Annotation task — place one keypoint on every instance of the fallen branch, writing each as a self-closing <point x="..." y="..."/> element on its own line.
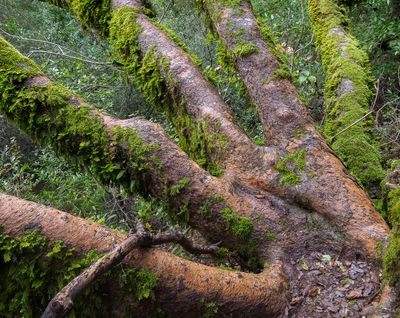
<point x="62" y="303"/>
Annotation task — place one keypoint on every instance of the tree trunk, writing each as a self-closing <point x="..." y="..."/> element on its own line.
<point x="181" y="283"/>
<point x="292" y="203"/>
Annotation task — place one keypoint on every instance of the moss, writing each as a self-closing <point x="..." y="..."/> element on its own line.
<point x="203" y="144"/>
<point x="345" y="62"/>
<point x="33" y="270"/>
<point x="47" y="114"/>
<point x="290" y="166"/>
<point x="391" y="259"/>
<point x="240" y="226"/>
<point x="153" y="78"/>
<point x="93" y="13"/>
<point x="244" y="49"/>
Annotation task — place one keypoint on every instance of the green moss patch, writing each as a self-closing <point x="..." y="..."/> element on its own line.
<point x="290" y="166"/>
<point x="240" y="226"/>
<point x="93" y="13"/>
<point x="391" y="258"/>
<point x="348" y="92"/>
<point x="244" y="48"/>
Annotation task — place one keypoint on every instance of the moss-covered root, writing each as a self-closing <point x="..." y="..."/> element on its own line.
<point x="348" y="92"/>
<point x="391" y="260"/>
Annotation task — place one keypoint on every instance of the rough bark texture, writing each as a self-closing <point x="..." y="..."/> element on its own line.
<point x="181" y="283"/>
<point x="324" y="186"/>
<point x="302" y="203"/>
<point x="166" y="171"/>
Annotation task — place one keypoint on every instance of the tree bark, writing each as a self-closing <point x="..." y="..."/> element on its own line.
<point x="181" y="283"/>
<point x="323" y="213"/>
<point x="324" y="185"/>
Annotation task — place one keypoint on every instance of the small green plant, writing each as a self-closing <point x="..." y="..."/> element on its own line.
<point x="140" y="282"/>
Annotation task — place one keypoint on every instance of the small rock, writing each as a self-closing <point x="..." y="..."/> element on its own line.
<point x="355" y="293"/>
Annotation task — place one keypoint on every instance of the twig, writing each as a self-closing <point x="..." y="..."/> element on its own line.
<point x="165" y="12"/>
<point x="363" y="117"/>
<point x="67" y="56"/>
<point x="295" y="49"/>
<point x="62" y="303"/>
<point x="60" y="47"/>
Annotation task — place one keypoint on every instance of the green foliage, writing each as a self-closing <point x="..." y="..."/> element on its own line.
<point x="139" y="282"/>
<point x="15" y="177"/>
<point x="177" y="188"/>
<point x="33" y="270"/>
<point x="290" y="166"/>
<point x="240" y="226"/>
<point x="205" y="209"/>
<point x="210" y="309"/>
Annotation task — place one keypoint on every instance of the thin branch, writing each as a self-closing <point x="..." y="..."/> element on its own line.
<point x="165" y="12"/>
<point x="362" y="118"/>
<point x="60" y="47"/>
<point x="63" y="302"/>
<point x="67" y="56"/>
